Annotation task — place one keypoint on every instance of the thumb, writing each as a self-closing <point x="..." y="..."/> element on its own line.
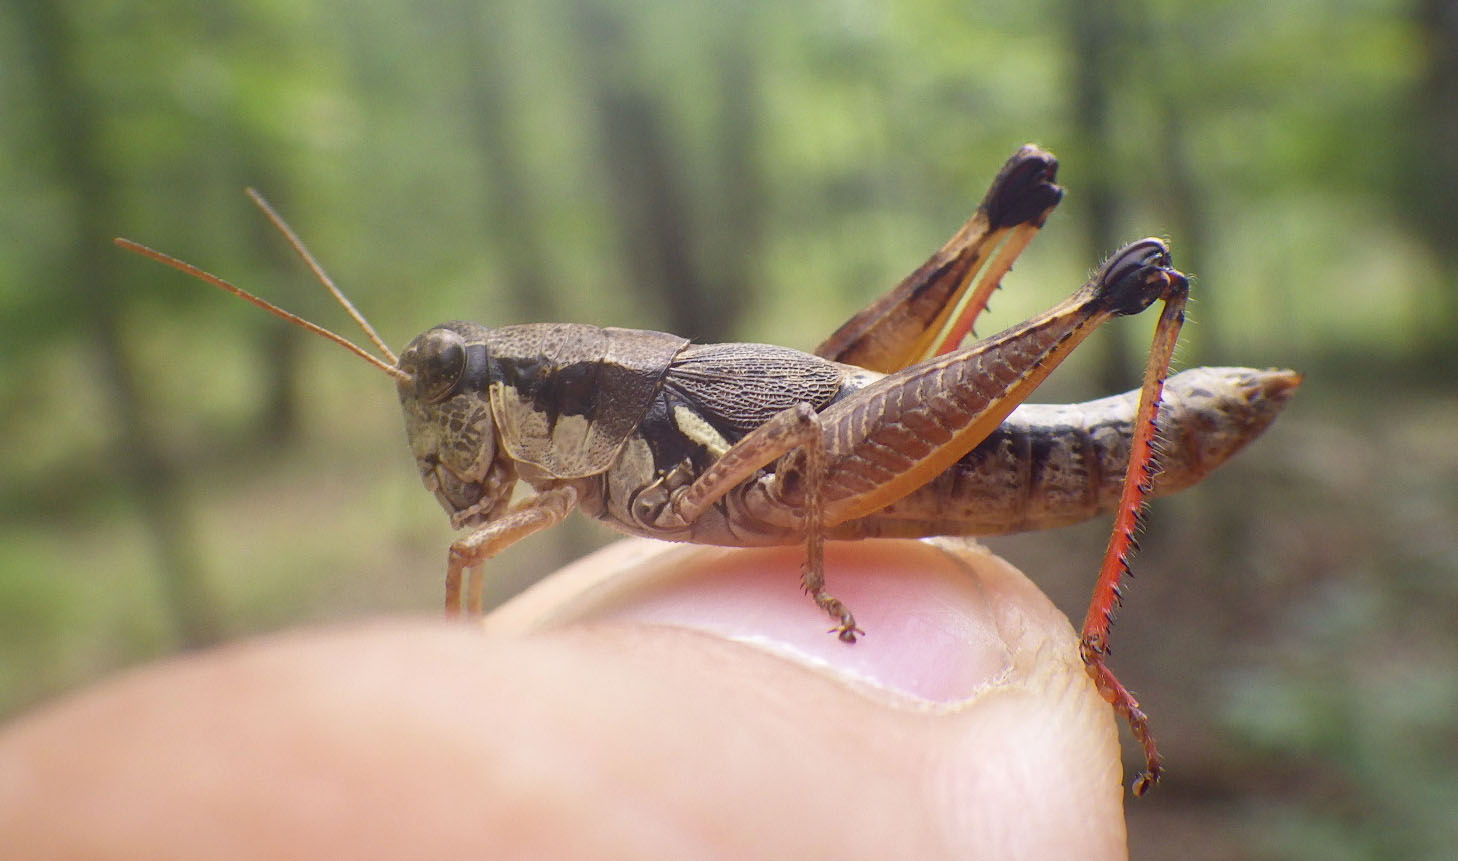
<point x="966" y="697"/>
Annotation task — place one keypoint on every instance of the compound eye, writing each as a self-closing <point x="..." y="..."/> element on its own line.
<point x="440" y="362"/>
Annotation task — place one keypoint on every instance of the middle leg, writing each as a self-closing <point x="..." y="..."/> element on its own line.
<point x="795" y="439"/>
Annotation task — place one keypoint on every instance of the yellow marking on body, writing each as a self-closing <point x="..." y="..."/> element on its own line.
<point x="693" y="426"/>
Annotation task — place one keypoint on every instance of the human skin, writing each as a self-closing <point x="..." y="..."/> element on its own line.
<point x="649" y="701"/>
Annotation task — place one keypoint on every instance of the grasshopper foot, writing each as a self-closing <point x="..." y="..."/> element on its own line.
<point x="1146" y="781"/>
<point x="845" y="629"/>
<point x="1093" y="650"/>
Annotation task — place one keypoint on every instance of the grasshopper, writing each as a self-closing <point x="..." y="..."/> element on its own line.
<point x="891" y="428"/>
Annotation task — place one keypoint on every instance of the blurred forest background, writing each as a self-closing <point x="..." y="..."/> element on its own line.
<point x="178" y="469"/>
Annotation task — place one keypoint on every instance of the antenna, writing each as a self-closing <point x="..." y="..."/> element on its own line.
<point x="188" y="268"/>
<point x="298" y="245"/>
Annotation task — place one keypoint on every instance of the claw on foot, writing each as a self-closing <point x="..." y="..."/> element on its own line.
<point x="1093" y="649"/>
<point x="1146" y="781"/>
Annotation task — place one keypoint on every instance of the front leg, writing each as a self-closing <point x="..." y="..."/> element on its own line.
<point x="547" y="508"/>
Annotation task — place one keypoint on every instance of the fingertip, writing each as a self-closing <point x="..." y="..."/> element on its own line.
<point x="937" y="621"/>
<point x="925" y="626"/>
<point x="1012" y="743"/>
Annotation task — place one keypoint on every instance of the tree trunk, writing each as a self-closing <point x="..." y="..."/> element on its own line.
<point x="70" y="114"/>
<point x="515" y="218"/>
<point x="277" y="422"/>
<point x="1190" y="231"/>
<point x="651" y="205"/>
<point x="1433" y="190"/>
<point x="736" y="233"/>
<point x="1096" y="32"/>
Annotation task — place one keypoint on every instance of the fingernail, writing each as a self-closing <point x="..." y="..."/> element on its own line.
<point x="942" y="619"/>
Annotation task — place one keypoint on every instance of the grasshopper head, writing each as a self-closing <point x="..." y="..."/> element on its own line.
<point x="441" y="378"/>
<point x="449" y="424"/>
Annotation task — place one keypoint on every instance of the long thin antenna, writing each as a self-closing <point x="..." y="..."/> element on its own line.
<point x="271" y="308"/>
<point x="298" y="245"/>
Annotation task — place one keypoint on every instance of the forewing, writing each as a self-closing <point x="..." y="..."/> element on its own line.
<point x="738" y="387"/>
